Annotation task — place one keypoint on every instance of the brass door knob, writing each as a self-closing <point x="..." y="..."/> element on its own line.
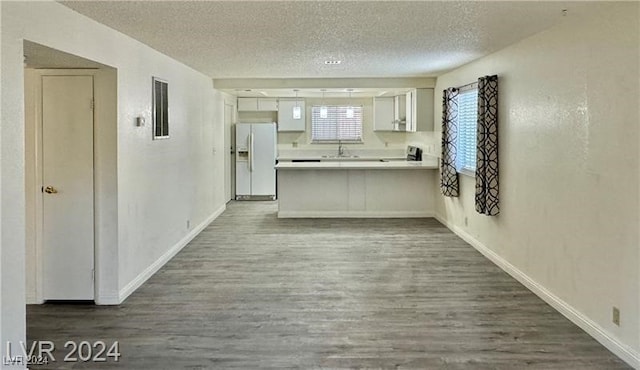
<point x="50" y="190"/>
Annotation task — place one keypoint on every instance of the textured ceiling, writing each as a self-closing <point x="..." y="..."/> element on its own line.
<point x="292" y="39"/>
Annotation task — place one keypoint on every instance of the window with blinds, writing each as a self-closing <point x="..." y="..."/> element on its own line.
<point x="339" y="125"/>
<point x="467" y="126"/>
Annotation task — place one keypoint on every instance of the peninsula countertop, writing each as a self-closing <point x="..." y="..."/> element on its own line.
<point x="335" y="158"/>
<point x="359" y="165"/>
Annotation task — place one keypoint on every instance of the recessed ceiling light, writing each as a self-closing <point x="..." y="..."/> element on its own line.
<point x="332" y="62"/>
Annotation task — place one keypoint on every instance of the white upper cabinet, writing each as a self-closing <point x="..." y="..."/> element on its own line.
<point x="247" y="104"/>
<point x="290" y="119"/>
<point x="268" y="104"/>
<point x="400" y="111"/>
<point x="383" y="114"/>
<point x="257" y="104"/>
<point x="410" y="112"/>
<point x="420" y="103"/>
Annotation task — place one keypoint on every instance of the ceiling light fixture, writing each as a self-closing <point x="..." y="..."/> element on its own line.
<point x="350" y="107"/>
<point x="323" y="108"/>
<point x="332" y="62"/>
<point x="297" y="111"/>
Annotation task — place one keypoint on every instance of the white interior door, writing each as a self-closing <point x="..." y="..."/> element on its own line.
<point x="263" y="176"/>
<point x="67" y="174"/>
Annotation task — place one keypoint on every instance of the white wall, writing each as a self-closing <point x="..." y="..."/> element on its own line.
<point x="568" y="160"/>
<point x="165" y="184"/>
<point x="12" y="311"/>
<point x="160" y="184"/>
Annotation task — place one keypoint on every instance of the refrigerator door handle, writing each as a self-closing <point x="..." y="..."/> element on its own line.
<point x="251" y="152"/>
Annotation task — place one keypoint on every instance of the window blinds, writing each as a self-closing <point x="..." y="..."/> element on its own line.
<point x="337" y="126"/>
<point x="467" y="126"/>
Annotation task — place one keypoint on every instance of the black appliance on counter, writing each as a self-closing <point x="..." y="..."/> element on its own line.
<point x="414" y="153"/>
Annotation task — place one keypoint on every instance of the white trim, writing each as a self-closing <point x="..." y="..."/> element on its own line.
<point x="467" y="172"/>
<point x="31" y="298"/>
<point x="354" y="214"/>
<point x="157" y="265"/>
<point x="108" y="298"/>
<point x="620" y="349"/>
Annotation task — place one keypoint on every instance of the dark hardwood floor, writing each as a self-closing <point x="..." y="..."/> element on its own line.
<point x="252" y="291"/>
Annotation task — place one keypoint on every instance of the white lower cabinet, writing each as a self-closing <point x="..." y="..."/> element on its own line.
<point x="323" y="192"/>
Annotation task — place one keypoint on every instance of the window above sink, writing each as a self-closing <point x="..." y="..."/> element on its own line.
<point x="336" y="123"/>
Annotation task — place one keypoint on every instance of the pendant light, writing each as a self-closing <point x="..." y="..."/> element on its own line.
<point x="323" y="108"/>
<point x="297" y="110"/>
<point x="350" y="107"/>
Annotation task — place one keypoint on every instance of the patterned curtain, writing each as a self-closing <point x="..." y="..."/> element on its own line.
<point x="487" y="150"/>
<point x="448" y="173"/>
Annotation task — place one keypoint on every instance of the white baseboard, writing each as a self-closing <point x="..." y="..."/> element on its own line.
<point x="354" y="214"/>
<point x="108" y="298"/>
<point x="621" y="350"/>
<point x="30" y="298"/>
<point x="157" y="265"/>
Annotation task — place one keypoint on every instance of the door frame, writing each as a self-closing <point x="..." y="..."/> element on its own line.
<point x="38" y="211"/>
<point x="229" y="191"/>
<point x="230" y="103"/>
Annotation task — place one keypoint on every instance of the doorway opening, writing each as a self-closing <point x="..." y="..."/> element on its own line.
<point x="70" y="178"/>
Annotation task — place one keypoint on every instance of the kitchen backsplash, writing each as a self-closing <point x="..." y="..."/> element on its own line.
<point x="429" y="142"/>
<point x="333" y="150"/>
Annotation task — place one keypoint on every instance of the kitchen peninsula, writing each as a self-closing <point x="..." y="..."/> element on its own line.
<point x="356" y="188"/>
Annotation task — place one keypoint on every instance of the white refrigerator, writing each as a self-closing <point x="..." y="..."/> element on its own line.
<point x="255" y="161"/>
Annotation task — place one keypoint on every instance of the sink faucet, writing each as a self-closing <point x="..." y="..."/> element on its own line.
<point x="340" y="149"/>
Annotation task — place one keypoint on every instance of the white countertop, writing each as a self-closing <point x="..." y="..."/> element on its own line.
<point x="341" y="159"/>
<point x="321" y="151"/>
<point x="358" y="165"/>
